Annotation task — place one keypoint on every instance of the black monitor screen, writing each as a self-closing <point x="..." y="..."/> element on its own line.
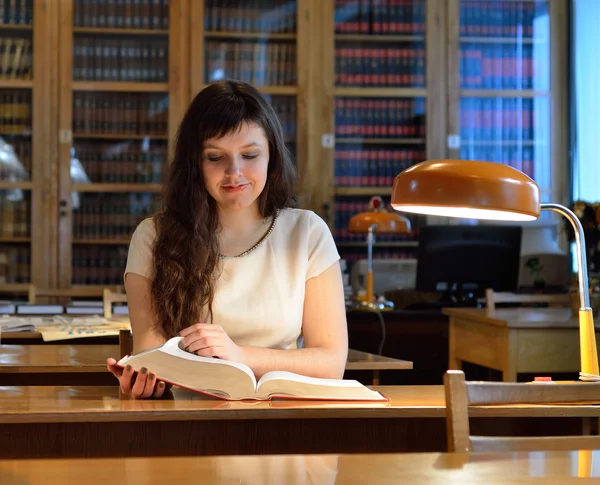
<point x="469" y="257"/>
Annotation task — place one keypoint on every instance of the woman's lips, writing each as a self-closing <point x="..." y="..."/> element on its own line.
<point x="234" y="188"/>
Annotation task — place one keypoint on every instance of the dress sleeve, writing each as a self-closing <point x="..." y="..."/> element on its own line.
<point x="140" y="259"/>
<point x="322" y="251"/>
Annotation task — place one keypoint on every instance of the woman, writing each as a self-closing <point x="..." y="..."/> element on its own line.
<point x="228" y="264"/>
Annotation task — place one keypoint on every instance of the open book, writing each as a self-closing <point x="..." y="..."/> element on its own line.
<point x="235" y="381"/>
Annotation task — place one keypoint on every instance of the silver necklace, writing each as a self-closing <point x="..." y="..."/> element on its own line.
<point x="267" y="234"/>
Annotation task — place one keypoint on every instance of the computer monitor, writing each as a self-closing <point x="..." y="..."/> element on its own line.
<point x="463" y="260"/>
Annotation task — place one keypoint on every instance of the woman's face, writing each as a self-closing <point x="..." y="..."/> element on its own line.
<point x="235" y="166"/>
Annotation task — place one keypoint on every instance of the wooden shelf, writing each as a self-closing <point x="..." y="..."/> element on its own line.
<point x="23" y="134"/>
<point x="14" y="287"/>
<point x="382" y="141"/>
<point x="363" y="191"/>
<point x="380" y="92"/>
<point x="503" y="93"/>
<point x="25" y="185"/>
<point x="93" y="290"/>
<point x="379" y="38"/>
<point x="16" y="83"/>
<point x="115" y="242"/>
<point x="390" y="244"/>
<point x="120" y="86"/>
<point x="503" y="40"/>
<point x="119" y="136"/>
<point x="116" y="187"/>
<point x="276" y="90"/>
<point x="112" y="31"/>
<point x="12" y="239"/>
<point x="15" y="27"/>
<point x="251" y="35"/>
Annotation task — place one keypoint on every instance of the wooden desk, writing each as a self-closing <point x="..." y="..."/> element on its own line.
<point x="49" y="422"/>
<point x="422" y="468"/>
<point x="358" y="360"/>
<point x="544" y="340"/>
<point x="64" y="364"/>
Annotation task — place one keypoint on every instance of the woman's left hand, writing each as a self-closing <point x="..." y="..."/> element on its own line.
<point x="208" y="340"/>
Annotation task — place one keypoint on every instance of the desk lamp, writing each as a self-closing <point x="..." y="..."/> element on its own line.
<point x="487" y="190"/>
<point x="376" y="220"/>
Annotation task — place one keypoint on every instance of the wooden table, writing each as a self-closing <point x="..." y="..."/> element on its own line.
<point x="67" y="364"/>
<point x="49" y="422"/>
<point x="562" y="467"/>
<point x="515" y="340"/>
<point x="62" y="364"/>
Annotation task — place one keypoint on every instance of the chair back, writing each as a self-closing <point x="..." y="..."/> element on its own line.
<point x="460" y="394"/>
<point x="552" y="299"/>
<point x="109" y="297"/>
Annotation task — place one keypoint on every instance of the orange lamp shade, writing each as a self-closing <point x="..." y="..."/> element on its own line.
<point x="467" y="189"/>
<point x="379" y="218"/>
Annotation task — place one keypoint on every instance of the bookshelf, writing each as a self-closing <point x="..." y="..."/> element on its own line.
<point x="386" y="76"/>
<point x="508" y="87"/>
<point x="24" y="137"/>
<point x="260" y="43"/>
<point x="123" y="89"/>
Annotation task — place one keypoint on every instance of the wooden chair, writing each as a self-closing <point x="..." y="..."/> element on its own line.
<point x="552" y="299"/>
<point x="460" y="394"/>
<point x="109" y="297"/>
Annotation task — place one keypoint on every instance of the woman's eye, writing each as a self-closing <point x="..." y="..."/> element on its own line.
<point x="215" y="159"/>
<point x="250" y="157"/>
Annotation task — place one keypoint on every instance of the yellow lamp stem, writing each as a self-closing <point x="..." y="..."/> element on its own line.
<point x="587" y="333"/>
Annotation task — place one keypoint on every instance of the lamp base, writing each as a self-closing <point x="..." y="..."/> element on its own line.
<point x="380" y="305"/>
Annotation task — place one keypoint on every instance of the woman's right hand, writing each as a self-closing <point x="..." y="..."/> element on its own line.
<point x="141" y="386"/>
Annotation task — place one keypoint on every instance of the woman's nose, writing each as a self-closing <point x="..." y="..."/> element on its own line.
<point x="234" y="166"/>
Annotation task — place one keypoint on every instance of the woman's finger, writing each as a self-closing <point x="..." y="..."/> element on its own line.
<point x="194" y="337"/>
<point x="140" y="383"/>
<point x="160" y="389"/>
<point x="126" y="379"/>
<point x="204" y="343"/>
<point x="111" y="365"/>
<point x="149" y="387"/>
<point x="193" y="328"/>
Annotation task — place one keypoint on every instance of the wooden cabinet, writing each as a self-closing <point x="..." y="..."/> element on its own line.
<point x="363" y="88"/>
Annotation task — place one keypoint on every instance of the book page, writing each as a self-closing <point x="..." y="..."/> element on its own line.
<point x="281" y="383"/>
<point x="231" y="380"/>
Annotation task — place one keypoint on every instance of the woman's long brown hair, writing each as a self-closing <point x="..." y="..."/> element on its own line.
<point x="186" y="250"/>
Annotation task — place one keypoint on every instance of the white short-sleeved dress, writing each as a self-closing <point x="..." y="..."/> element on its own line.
<point x="259" y="297"/>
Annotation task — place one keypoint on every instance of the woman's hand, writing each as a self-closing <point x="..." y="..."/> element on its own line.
<point x="141" y="386"/>
<point x="208" y="340"/>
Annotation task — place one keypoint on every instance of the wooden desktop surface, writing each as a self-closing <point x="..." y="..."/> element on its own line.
<point x="518" y="317"/>
<point x="562" y="467"/>
<point x="64" y="422"/>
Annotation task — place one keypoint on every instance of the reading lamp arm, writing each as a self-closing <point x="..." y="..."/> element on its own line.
<point x="584" y="292"/>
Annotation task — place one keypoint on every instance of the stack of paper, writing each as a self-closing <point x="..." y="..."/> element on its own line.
<point x="12" y="324"/>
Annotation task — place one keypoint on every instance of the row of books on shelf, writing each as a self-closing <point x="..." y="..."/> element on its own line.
<point x="81" y="307"/>
<point x="503" y="19"/>
<point x="129" y="14"/>
<point x="285" y="107"/>
<point x="15" y="111"/>
<point x="14" y="216"/>
<point x="372" y="168"/>
<point x="377" y="66"/>
<point x="100" y="59"/>
<point x="120" y="113"/>
<point x="15" y="263"/>
<point x="15" y="58"/>
<point x="258" y="62"/>
<point x="16" y="162"/>
<point x="508" y="119"/>
<point x="111" y="216"/>
<point x="98" y="265"/>
<point x="16" y="12"/>
<point x="503" y="67"/>
<point x="380" y="16"/>
<point x="122" y="163"/>
<point x="250" y="16"/>
<point x="380" y="118"/>
<point x="519" y="157"/>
